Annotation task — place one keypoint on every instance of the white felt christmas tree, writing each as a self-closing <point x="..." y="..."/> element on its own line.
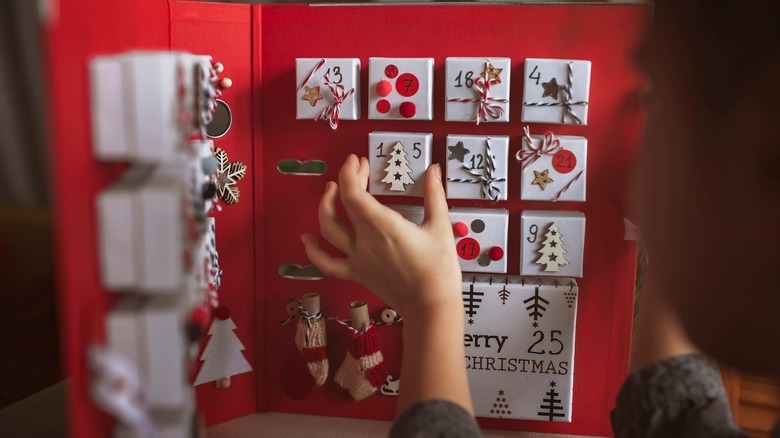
<point x="552" y="252"/>
<point x="222" y="356"/>
<point x="398" y="170"/>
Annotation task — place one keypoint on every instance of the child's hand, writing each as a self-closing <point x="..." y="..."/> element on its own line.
<point x="408" y="266"/>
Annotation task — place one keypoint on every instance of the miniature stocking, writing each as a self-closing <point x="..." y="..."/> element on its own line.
<point x="310" y="340"/>
<point x="363" y="370"/>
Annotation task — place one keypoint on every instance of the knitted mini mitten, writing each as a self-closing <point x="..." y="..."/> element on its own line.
<point x="363" y="370"/>
<point x="313" y="349"/>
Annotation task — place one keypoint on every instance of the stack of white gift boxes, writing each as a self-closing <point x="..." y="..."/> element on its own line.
<point x="520" y="330"/>
<point x="150" y="110"/>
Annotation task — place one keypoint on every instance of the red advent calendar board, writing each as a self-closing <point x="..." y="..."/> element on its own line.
<point x="394" y="57"/>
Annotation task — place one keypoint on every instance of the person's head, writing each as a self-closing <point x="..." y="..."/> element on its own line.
<point x="707" y="191"/>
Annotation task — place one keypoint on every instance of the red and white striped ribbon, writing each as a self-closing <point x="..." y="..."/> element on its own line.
<point x="566" y="187"/>
<point x="340" y="94"/>
<point x="347" y="323"/>
<point x="549" y="146"/>
<point x="305" y="81"/>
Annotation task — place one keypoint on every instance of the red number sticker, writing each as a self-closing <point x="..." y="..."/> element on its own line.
<point x="407" y="84"/>
<point x="564" y="161"/>
<point x="468" y="248"/>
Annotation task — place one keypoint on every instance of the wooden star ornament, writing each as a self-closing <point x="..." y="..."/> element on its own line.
<point x="228" y="175"/>
<point x="551" y="88"/>
<point x="312" y="94"/>
<point x="541" y="179"/>
<point x="494" y="74"/>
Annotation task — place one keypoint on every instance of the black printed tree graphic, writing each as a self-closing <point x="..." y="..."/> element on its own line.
<point x="471" y="300"/>
<point x="537" y="306"/>
<point x="551" y="405"/>
<point x="503" y="294"/>
<point x="500" y="407"/>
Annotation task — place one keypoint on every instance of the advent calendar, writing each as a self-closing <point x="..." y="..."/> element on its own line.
<point x="190" y="157"/>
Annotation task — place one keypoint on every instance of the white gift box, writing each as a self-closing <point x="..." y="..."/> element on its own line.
<point x="480" y="235"/>
<point x="558" y="172"/>
<point x="398" y="162"/>
<point x="145" y="104"/>
<point x="316" y="97"/>
<point x="480" y="238"/>
<point x="400" y="88"/>
<point x="556" y="91"/>
<point x="472" y="172"/>
<point x="474" y="83"/>
<point x="552" y="243"/>
<point x="519" y="339"/>
<point x="143" y="227"/>
<point x="150" y="333"/>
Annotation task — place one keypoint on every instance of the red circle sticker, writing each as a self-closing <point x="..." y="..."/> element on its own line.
<point x="407" y="84"/>
<point x="391" y="71"/>
<point x="468" y="248"/>
<point x="564" y="161"/>
<point x="383" y="106"/>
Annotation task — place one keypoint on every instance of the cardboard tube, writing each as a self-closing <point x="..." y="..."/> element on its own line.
<point x="311" y="303"/>
<point x="358" y="313"/>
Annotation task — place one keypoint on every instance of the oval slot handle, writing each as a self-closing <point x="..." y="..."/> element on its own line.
<point x="298" y="272"/>
<point x="302" y="167"/>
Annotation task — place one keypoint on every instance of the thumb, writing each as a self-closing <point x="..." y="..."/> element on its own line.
<point x="436" y="211"/>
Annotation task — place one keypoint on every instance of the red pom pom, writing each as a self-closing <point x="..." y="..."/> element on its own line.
<point x="460" y="229"/>
<point x="496" y="253"/>
<point x="383" y="88"/>
<point x="199" y="316"/>
<point x="222" y="313"/>
<point x="408" y="110"/>
<point x="383" y="106"/>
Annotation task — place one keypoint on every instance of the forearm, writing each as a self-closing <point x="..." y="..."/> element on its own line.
<point x="433" y="364"/>
<point x="658" y="334"/>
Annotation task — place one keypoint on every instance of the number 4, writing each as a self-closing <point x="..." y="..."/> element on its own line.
<point x="538" y="74"/>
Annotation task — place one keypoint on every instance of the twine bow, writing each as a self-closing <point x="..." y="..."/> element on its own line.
<point x="340" y="94"/>
<point x="304" y="315"/>
<point x="566" y="99"/>
<point x="486" y="107"/>
<point x="550" y="145"/>
<point x="486" y="178"/>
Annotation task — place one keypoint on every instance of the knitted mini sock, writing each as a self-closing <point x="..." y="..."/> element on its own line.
<point x="313" y="350"/>
<point x="363" y="370"/>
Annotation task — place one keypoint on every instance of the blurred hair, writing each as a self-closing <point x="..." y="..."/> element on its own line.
<point x="732" y="46"/>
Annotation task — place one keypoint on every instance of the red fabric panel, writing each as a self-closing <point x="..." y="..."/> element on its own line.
<point x="606" y="35"/>
<point x="78" y="31"/>
<point x="224" y="31"/>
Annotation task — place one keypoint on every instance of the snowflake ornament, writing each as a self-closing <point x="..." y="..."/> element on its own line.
<point x="228" y="175"/>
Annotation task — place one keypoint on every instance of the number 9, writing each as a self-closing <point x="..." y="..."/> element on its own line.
<point x="533" y="230"/>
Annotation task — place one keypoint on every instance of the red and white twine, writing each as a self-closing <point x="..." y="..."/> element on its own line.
<point x="549" y="145"/>
<point x="340" y="94"/>
<point x="487" y="107"/>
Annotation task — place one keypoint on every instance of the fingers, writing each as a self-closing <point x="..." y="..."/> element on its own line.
<point x="436" y="212"/>
<point x="330" y="266"/>
<point x="360" y="206"/>
<point x="330" y="227"/>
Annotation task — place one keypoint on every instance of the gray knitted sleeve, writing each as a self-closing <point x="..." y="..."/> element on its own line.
<point x="680" y="397"/>
<point x="435" y="418"/>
